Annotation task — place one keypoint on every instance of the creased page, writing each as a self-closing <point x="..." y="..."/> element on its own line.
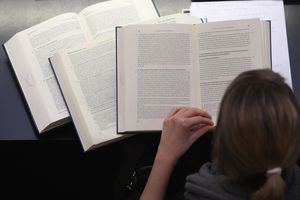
<point x="158" y="73"/>
<point x="225" y="49"/>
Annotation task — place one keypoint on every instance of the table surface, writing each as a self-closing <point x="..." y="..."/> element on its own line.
<point x="54" y="163"/>
<point x="15" y="120"/>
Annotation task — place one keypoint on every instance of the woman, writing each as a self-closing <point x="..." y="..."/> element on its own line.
<point x="256" y="143"/>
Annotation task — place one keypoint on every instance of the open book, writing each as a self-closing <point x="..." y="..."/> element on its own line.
<point x="161" y="66"/>
<point x="30" y="49"/>
<point x="87" y="78"/>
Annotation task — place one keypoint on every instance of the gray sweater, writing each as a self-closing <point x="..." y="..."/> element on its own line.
<point x="206" y="184"/>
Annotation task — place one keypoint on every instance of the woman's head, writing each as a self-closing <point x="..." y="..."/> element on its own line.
<point x="258" y="126"/>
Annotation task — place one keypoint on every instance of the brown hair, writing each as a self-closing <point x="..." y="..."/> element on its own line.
<point x="258" y="129"/>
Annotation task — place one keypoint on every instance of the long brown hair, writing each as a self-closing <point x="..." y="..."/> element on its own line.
<point x="258" y="129"/>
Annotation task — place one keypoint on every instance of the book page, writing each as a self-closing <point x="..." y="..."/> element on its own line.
<point x="29" y="51"/>
<point x="177" y="18"/>
<point x="87" y="78"/>
<point x="225" y="49"/>
<point x="102" y="18"/>
<point x="157" y="64"/>
<point x="265" y="10"/>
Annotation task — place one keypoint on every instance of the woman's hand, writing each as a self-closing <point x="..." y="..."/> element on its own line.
<point x="181" y="128"/>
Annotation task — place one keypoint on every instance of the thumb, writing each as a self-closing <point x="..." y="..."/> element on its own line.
<point x="201" y="131"/>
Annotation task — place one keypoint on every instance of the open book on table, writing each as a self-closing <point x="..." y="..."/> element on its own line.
<point x="87" y="78"/>
<point x="161" y="66"/>
<point x="29" y="50"/>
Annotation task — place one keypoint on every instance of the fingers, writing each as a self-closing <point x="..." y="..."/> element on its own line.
<point x="190" y="119"/>
<point x="188" y="112"/>
<point x="191" y="112"/>
<point x="173" y="111"/>
<point x="197" y="122"/>
<point x="182" y="127"/>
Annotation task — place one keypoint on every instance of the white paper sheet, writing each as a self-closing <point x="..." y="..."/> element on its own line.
<point x="266" y="10"/>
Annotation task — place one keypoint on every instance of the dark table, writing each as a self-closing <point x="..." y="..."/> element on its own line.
<point x="54" y="165"/>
